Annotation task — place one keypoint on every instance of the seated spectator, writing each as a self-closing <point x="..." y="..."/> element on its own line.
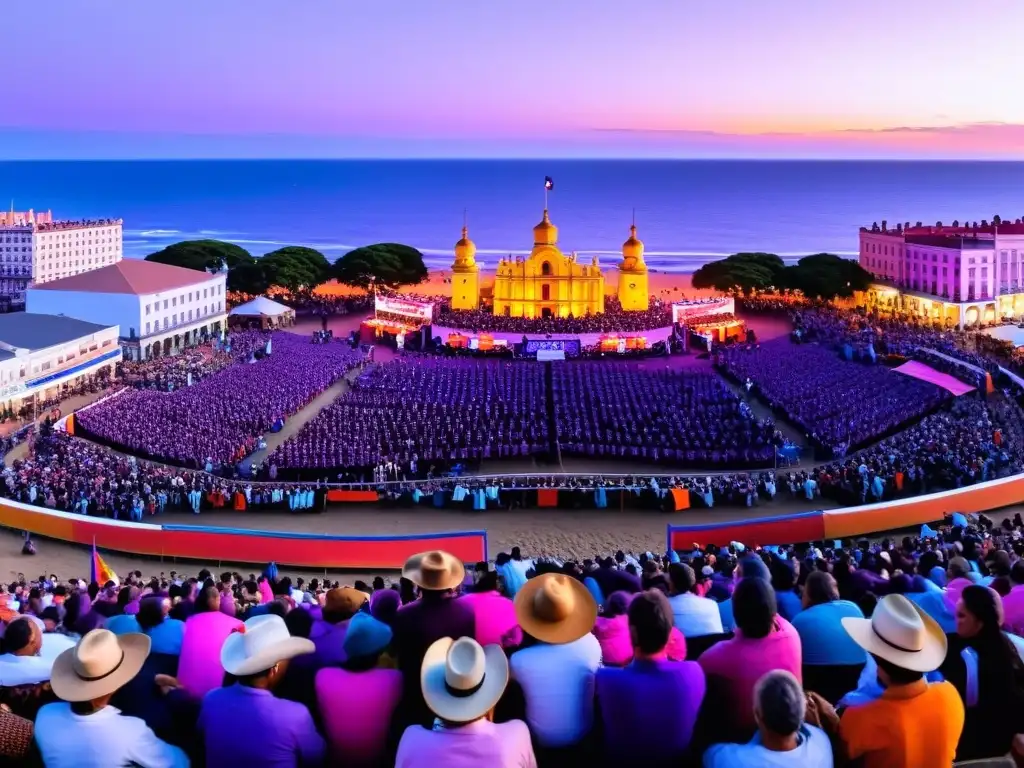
<point x="277" y="731"/>
<point x="557" y="663"/>
<point x="784" y="577"/>
<point x="649" y="708"/>
<point x="914" y="723"/>
<point x="1013" y="603"/>
<point x="692" y="614"/>
<point x="462" y="682"/>
<point x="82" y="730"/>
<point x="764" y="642"/>
<point x="328" y="634"/>
<point x="494" y="614"/>
<point x="21" y="663"/>
<point x="823" y="639"/>
<point x="612" y="631"/>
<point x="750" y="566"/>
<point x="782" y="738"/>
<point x="985" y="666"/>
<point x="199" y="667"/>
<point x="364" y="690"/>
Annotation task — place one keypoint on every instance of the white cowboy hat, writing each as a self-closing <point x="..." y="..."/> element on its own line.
<point x="98" y="665"/>
<point x="263" y="642"/>
<point x="901" y="633"/>
<point x="461" y="680"/>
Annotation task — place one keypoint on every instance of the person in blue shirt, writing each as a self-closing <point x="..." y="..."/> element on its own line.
<point x="782" y="738"/>
<point x="820" y="624"/>
<point x="784" y="577"/>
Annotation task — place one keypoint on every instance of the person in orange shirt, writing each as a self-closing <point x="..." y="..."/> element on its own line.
<point x="913" y="724"/>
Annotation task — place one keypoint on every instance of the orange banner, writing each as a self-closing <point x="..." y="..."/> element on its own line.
<point x="681" y="497"/>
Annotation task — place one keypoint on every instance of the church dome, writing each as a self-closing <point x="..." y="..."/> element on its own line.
<point x="633" y="251"/>
<point x="465" y="250"/>
<point x="545" y="233"/>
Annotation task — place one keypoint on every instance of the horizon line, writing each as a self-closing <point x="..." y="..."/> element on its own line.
<point x="517" y="158"/>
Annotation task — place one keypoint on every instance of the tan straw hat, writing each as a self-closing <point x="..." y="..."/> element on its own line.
<point x="901" y="633"/>
<point x="98" y="665"/>
<point x="434" y="571"/>
<point x="461" y="680"/>
<point x="344" y="602"/>
<point x="555" y="608"/>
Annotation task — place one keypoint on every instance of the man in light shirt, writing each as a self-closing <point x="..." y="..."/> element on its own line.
<point x="22" y="664"/>
<point x="692" y="614"/>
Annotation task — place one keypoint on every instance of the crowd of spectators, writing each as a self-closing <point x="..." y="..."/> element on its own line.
<point x="191" y="365"/>
<point x="838" y="403"/>
<point x="417" y="410"/>
<point x="684" y="417"/>
<point x="891" y="653"/>
<point x="220" y="419"/>
<point x="613" y="319"/>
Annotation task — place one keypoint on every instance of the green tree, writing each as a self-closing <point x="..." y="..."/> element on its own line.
<point x="826" y="275"/>
<point x="386" y="264"/>
<point x="748" y="271"/>
<point x="295" y="267"/>
<point x="249" y="277"/>
<point x="202" y="255"/>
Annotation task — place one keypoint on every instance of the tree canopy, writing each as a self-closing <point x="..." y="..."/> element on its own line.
<point x="386" y="264"/>
<point x="826" y="275"/>
<point x="295" y="267"/>
<point x="201" y="255"/>
<point x="748" y="271"/>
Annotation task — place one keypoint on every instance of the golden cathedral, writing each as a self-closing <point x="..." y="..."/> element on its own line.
<point x="548" y="283"/>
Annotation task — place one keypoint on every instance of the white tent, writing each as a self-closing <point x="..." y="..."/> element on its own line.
<point x="261" y="305"/>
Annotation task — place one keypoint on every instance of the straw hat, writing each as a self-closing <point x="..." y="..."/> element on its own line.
<point x="555" y="608"/>
<point x="461" y="680"/>
<point x="98" y="665"/>
<point x="264" y="642"/>
<point x="901" y="633"/>
<point x="434" y="571"/>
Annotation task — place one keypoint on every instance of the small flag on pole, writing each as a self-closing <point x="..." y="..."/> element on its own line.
<point x="101" y="572"/>
<point x="549" y="183"/>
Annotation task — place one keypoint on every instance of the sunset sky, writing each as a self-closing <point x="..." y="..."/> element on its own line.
<point x="513" y="78"/>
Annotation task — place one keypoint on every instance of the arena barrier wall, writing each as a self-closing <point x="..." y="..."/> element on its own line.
<point x="212" y="544"/>
<point x="806" y="526"/>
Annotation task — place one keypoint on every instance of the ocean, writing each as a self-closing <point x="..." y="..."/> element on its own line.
<point x="687" y="212"/>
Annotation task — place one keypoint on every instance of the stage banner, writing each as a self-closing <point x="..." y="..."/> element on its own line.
<point x="547" y="497"/>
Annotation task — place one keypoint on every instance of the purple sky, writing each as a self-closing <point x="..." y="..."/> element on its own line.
<point x="399" y="78"/>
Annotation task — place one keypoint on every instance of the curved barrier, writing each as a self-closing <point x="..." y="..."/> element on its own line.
<point x="853" y="521"/>
<point x="211" y="544"/>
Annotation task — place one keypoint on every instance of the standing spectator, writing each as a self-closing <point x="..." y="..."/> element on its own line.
<point x="462" y="682"/>
<point x="649" y="708"/>
<point x="558" y="661"/>
<point x="782" y="738"/>
<point x="83" y="730"/>
<point x="914" y="723"/>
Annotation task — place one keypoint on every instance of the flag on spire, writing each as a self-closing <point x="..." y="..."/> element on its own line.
<point x="549" y="183"/>
<point x="101" y="572"/>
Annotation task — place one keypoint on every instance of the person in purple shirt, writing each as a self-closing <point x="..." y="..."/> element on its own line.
<point x="244" y="723"/>
<point x="328" y="634"/>
<point x="612" y="579"/>
<point x="436" y="614"/>
<point x="649" y="708"/>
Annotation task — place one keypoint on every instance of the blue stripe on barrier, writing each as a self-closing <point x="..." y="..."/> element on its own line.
<point x="317" y="536"/>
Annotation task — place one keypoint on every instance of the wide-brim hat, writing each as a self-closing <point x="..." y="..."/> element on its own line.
<point x="462" y="680"/>
<point x="901" y="633"/>
<point x="434" y="571"/>
<point x="555" y="608"/>
<point x="345" y="602"/>
<point x="263" y="642"/>
<point x="98" y="665"/>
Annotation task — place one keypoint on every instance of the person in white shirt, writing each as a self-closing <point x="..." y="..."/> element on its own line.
<point x="83" y="730"/>
<point x="783" y="738"/>
<point x="692" y="614"/>
<point x="22" y="664"/>
<point x="557" y="672"/>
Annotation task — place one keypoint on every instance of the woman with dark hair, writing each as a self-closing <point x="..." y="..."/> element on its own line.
<point x="985" y="665"/>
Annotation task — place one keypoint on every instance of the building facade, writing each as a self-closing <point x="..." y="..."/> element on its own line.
<point x="465" y="274"/>
<point x="41" y="356"/>
<point x="633" y="291"/>
<point x="547" y="283"/>
<point x="160" y="309"/>
<point x="34" y="248"/>
<point x="959" y="275"/>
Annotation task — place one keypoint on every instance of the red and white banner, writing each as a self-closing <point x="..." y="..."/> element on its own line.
<point x="684" y="309"/>
<point x="421" y="311"/>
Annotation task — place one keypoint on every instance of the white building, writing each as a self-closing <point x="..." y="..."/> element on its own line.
<point x="160" y="309"/>
<point x="36" y="249"/>
<point x="41" y="355"/>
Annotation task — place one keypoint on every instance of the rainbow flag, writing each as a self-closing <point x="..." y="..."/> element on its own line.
<point x="101" y="572"/>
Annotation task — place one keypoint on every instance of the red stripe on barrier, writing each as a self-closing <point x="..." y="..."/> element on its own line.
<point x="779" y="530"/>
<point x="352" y="496"/>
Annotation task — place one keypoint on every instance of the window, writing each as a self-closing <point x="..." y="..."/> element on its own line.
<point x="174" y="301"/>
<point x="545" y="269"/>
<point x="147" y="329"/>
<point x="165" y="303"/>
<point x="147" y="309"/>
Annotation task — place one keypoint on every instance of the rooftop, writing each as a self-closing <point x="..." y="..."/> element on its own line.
<point x="29" y="330"/>
<point x="130" y="276"/>
<point x="967" y="229"/>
